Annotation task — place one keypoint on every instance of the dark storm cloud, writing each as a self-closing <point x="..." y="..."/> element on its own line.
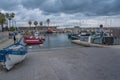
<point x="9" y="4"/>
<point x="48" y="6"/>
<point x="33" y="3"/>
<point x="88" y="7"/>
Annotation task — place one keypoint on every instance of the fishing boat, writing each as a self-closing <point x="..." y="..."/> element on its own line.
<point x="49" y="31"/>
<point x="32" y="40"/>
<point x="42" y="38"/>
<point x="12" y="54"/>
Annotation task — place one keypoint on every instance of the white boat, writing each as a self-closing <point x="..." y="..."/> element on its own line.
<point x="12" y="55"/>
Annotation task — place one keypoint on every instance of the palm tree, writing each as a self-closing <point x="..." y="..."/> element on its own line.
<point x="12" y="15"/>
<point x="48" y="22"/>
<point x="41" y="23"/>
<point x="7" y="16"/>
<point x="2" y="20"/>
<point x="30" y="23"/>
<point x="35" y="23"/>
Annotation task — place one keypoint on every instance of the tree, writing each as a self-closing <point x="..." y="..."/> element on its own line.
<point x="7" y="16"/>
<point x="30" y="23"/>
<point x="41" y="23"/>
<point x="2" y="20"/>
<point x="35" y="23"/>
<point x="10" y="17"/>
<point x="48" y="22"/>
<point x="6" y="28"/>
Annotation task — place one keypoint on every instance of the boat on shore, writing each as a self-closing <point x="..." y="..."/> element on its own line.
<point x="12" y="55"/>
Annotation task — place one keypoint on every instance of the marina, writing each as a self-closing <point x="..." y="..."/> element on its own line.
<point x="60" y="40"/>
<point x="52" y="41"/>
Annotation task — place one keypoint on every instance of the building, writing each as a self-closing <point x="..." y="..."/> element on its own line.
<point x="38" y="28"/>
<point x="74" y="30"/>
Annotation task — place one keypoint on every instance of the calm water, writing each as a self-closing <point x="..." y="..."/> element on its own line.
<point x="55" y="41"/>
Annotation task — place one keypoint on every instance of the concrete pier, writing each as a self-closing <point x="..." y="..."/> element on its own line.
<point x="86" y="44"/>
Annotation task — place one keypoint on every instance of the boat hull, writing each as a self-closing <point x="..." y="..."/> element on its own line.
<point x="33" y="42"/>
<point x="11" y="60"/>
<point x="12" y="55"/>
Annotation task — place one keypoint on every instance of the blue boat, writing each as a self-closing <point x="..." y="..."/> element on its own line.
<point x="12" y="54"/>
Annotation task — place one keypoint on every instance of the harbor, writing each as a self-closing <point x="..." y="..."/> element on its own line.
<point x="54" y="41"/>
<point x="67" y="63"/>
<point x="61" y="59"/>
<point x="59" y="40"/>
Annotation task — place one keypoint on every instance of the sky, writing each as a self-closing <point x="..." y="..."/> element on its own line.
<point x="64" y="13"/>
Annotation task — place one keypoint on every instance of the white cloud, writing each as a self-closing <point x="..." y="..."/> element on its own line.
<point x="59" y="17"/>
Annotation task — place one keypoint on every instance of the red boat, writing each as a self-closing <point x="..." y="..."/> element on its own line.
<point x="42" y="38"/>
<point x="32" y="40"/>
<point x="29" y="37"/>
<point x="33" y="37"/>
<point x="49" y="30"/>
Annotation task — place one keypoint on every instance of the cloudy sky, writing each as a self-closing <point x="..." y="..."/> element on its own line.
<point x="64" y="13"/>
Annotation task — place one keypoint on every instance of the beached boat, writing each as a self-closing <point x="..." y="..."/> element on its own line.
<point x="12" y="54"/>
